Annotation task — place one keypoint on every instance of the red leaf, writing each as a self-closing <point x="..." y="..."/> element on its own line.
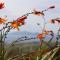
<point x="51" y="7"/>
<point x="40" y="36"/>
<point x="21" y="20"/>
<point x="52" y="21"/>
<point x="1" y="5"/>
<point x="58" y="21"/>
<point x="38" y="13"/>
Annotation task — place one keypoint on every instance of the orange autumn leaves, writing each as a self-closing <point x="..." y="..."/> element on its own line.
<point x="2" y="21"/>
<point x="14" y="24"/>
<point x="21" y="21"/>
<point x="40" y="13"/>
<point x="41" y="36"/>
<point x="18" y="22"/>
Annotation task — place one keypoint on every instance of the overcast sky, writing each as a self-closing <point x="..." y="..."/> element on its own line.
<point x="16" y="8"/>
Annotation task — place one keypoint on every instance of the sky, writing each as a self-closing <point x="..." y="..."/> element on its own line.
<point x="16" y="8"/>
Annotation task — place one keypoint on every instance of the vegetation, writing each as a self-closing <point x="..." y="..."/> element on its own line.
<point x="26" y="51"/>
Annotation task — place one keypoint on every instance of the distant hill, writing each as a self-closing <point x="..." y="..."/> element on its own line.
<point x="24" y="36"/>
<point x="15" y="35"/>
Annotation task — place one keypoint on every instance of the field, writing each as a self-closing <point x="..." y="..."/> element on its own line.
<point x="30" y="51"/>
